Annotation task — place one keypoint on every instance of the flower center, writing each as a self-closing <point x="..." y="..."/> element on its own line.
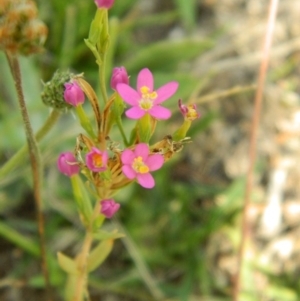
<point x="146" y="103"/>
<point x="97" y="160"/>
<point x="191" y="114"/>
<point x="139" y="166"/>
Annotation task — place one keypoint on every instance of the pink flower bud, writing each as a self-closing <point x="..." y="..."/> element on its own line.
<point x="109" y="207"/>
<point x="189" y="112"/>
<point x="104" y="3"/>
<point x="96" y="160"/>
<point x="67" y="164"/>
<point x="73" y="94"/>
<point x="119" y="75"/>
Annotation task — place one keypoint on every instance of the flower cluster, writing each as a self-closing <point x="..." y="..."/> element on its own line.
<point x="106" y="166"/>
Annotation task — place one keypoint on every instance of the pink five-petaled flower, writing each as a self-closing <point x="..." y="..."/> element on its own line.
<point x="109" y="207"/>
<point x="119" y="75"/>
<point x="189" y="112"/>
<point x="104" y="3"/>
<point x="67" y="164"/>
<point x="96" y="160"/>
<point x="73" y="94"/>
<point x="138" y="163"/>
<point x="145" y="99"/>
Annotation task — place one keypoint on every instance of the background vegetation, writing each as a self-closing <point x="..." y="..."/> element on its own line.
<point x="183" y="235"/>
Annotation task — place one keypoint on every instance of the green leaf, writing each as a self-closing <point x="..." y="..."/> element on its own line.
<point x="67" y="264"/>
<point x="99" y="254"/>
<point x="104" y="235"/>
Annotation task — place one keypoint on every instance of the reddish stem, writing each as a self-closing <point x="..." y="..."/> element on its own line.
<point x="245" y="229"/>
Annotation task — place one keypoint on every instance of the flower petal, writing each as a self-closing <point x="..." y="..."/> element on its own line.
<point x="165" y="92"/>
<point x="142" y="150"/>
<point x="135" y="113"/>
<point x="127" y="156"/>
<point x="146" y="180"/>
<point x="128" y="94"/>
<point x="160" y="112"/>
<point x="154" y="162"/>
<point x="128" y="172"/>
<point x="145" y="78"/>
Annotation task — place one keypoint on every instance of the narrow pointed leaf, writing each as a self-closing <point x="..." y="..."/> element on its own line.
<point x="99" y="254"/>
<point x="67" y="264"/>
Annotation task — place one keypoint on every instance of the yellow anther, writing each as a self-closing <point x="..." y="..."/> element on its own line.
<point x="139" y="166"/>
<point x="192" y="113"/>
<point x="97" y="159"/>
<point x="153" y="95"/>
<point x="144" y="90"/>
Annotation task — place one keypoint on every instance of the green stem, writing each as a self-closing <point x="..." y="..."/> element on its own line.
<point x="102" y="78"/>
<point x="36" y="164"/>
<point x="18" y="158"/>
<point x="103" y="48"/>
<point x="81" y="292"/>
<point x="121" y="129"/>
<point x="84" y="121"/>
<point x="82" y="280"/>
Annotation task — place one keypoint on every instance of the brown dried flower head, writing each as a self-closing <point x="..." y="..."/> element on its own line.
<point x="20" y="29"/>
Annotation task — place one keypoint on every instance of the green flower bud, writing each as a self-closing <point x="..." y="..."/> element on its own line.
<point x="53" y="92"/>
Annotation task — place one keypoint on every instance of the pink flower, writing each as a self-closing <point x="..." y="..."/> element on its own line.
<point x="189" y="112"/>
<point x="96" y="160"/>
<point x="73" y="94"/>
<point x="67" y="164"/>
<point x="109" y="207"/>
<point x="138" y="163"/>
<point x="145" y="99"/>
<point x="104" y="3"/>
<point x="119" y="75"/>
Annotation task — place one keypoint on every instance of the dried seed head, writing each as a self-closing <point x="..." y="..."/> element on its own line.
<point x="20" y="30"/>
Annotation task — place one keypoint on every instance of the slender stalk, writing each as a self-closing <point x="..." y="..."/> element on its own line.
<point x="121" y="129"/>
<point x="103" y="55"/>
<point x="245" y="229"/>
<point x="82" y="280"/>
<point x="36" y="164"/>
<point x="81" y="292"/>
<point x="18" y="157"/>
<point x="102" y="78"/>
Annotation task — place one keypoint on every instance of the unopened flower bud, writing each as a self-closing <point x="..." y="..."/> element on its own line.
<point x="104" y="3"/>
<point x="119" y="75"/>
<point x="67" y="164"/>
<point x="109" y="207"/>
<point x="73" y="94"/>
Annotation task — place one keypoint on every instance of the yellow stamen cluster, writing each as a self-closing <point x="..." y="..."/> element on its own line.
<point x="146" y="102"/>
<point x="139" y="166"/>
<point x="97" y="160"/>
<point x="192" y="114"/>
